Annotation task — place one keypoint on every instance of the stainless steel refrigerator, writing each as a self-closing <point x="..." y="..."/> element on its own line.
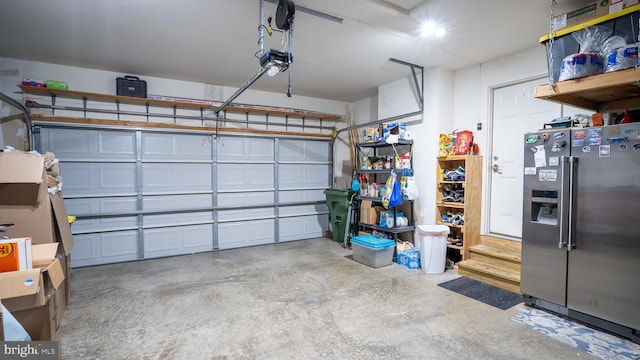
<point x="581" y="225"/>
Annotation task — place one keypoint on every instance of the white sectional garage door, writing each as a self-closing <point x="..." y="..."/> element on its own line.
<point x="141" y="194"/>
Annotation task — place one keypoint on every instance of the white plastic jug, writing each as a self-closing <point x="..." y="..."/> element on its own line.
<point x="433" y="248"/>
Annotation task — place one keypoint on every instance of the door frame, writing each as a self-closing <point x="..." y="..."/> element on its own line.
<point x="488" y="174"/>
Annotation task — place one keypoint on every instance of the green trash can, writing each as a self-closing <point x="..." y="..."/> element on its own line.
<point x="338" y="203"/>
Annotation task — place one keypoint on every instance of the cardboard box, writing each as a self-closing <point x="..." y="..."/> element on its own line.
<point x="42" y="323"/>
<point x="617" y="5"/>
<point x="28" y="289"/>
<point x="592" y="11"/>
<point x="368" y="213"/>
<point x="36" y="298"/>
<point x="394" y="128"/>
<point x="26" y="207"/>
<point x="372" y="135"/>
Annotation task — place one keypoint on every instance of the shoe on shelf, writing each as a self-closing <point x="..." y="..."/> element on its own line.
<point x="449" y="198"/>
<point x="460" y="170"/>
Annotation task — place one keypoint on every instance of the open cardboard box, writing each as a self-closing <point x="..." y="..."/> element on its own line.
<point x="36" y="297"/>
<point x="28" y="289"/>
<point x="25" y="204"/>
<point x="27" y="208"/>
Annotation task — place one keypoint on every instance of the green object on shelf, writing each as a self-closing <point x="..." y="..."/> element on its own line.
<point x="338" y="203"/>
<point x="56" y="84"/>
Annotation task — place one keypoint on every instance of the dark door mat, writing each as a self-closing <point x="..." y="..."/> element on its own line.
<point x="488" y="294"/>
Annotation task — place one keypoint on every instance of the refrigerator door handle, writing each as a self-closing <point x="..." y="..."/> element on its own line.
<point x="564" y="189"/>
<point x="572" y="167"/>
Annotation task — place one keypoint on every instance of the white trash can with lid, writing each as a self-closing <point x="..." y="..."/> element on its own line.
<point x="433" y="248"/>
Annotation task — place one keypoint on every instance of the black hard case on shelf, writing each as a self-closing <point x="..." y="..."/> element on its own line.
<point x="131" y="86"/>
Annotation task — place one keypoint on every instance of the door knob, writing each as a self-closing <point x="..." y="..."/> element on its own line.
<point x="496" y="169"/>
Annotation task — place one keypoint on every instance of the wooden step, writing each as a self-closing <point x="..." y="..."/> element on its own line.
<point x="504" y="257"/>
<point x="501" y="242"/>
<point x="504" y="254"/>
<point x="489" y="273"/>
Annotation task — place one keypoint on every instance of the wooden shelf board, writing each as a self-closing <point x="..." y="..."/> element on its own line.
<point x="142" y="124"/>
<point x="450" y="225"/>
<point x="616" y="90"/>
<point x="454" y="158"/>
<point x="293" y="113"/>
<point x="451" y="205"/>
<point x="239" y="109"/>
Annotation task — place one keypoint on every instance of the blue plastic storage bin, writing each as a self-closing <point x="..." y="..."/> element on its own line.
<point x="372" y="250"/>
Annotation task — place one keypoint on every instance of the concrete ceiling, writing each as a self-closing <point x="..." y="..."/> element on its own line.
<point x="214" y="41"/>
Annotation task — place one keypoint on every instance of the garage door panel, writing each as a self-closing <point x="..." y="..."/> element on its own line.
<point x="155" y="191"/>
<point x="245" y="176"/>
<point x="176" y="177"/>
<point x="302" y="227"/>
<point x="245" y="214"/>
<point x="98" y="179"/>
<point x="176" y="202"/>
<point x="94" y="206"/>
<point x="178" y="218"/>
<point x="246" y="233"/>
<point x="299" y="150"/>
<point x="300" y="209"/>
<point x="177" y="240"/>
<point x="289" y="196"/>
<point x="165" y="146"/>
<point x="246" y="199"/>
<point x="245" y="149"/>
<point x="90" y="144"/>
<point x="111" y="223"/>
<point x="292" y="176"/>
<point x="104" y="248"/>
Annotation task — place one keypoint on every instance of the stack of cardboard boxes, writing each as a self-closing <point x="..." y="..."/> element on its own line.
<point x="36" y="298"/>
<point x="590" y="12"/>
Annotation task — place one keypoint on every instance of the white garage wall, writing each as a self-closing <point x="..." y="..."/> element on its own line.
<point x="472" y="88"/>
<point x="12" y="71"/>
<point x="100" y="81"/>
<point x="398" y="98"/>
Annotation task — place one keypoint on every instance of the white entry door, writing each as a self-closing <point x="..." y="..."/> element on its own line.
<point x="515" y="112"/>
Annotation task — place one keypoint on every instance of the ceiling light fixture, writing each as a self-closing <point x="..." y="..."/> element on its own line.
<point x="433" y="29"/>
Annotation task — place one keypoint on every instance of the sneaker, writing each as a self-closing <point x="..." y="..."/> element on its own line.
<point x="450" y="265"/>
<point x="460" y="171"/>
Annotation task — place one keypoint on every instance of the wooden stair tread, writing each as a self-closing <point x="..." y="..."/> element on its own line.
<point x="501" y="242"/>
<point x="497" y="252"/>
<point x="489" y="269"/>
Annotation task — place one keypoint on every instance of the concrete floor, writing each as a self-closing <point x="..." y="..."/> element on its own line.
<point x="299" y="300"/>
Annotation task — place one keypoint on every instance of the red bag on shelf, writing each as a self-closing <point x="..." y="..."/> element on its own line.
<point x="464" y="139"/>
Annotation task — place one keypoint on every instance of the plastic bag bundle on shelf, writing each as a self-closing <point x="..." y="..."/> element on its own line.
<point x="622" y="58"/>
<point x="589" y="61"/>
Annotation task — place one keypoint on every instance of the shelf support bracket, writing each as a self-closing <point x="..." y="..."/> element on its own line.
<point x="419" y="84"/>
